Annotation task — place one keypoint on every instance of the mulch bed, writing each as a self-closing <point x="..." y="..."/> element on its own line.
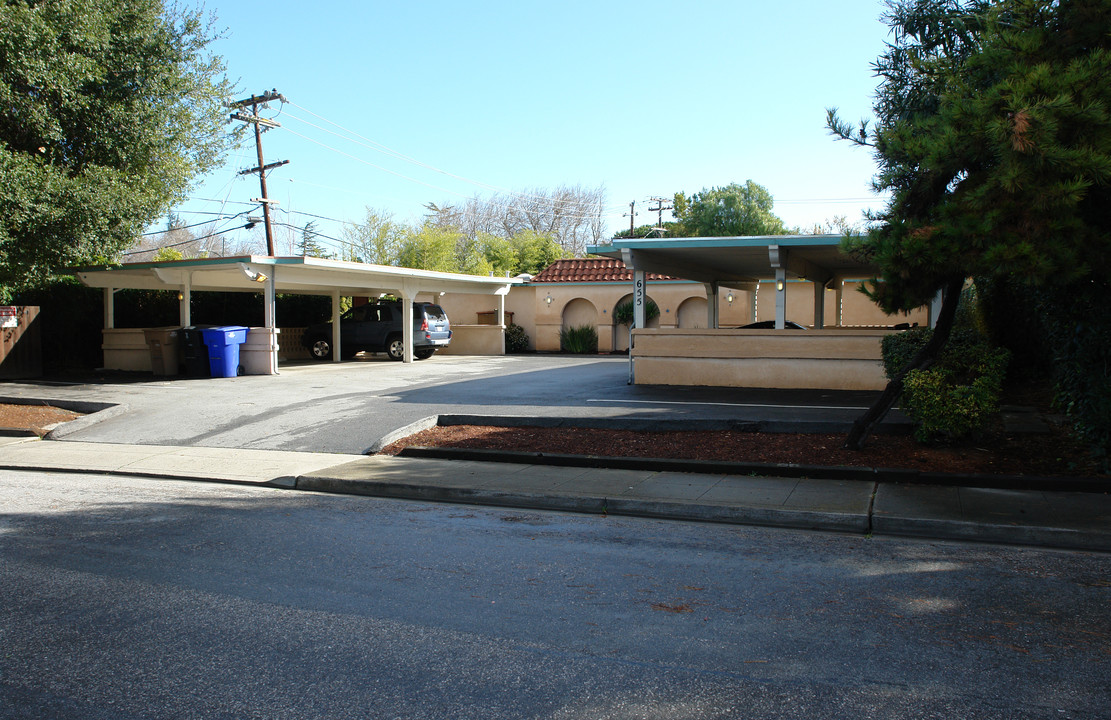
<point x="1053" y="454"/>
<point x="37" y="418"/>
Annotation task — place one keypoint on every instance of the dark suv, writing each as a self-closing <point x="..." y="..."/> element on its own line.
<point x="377" y="327"/>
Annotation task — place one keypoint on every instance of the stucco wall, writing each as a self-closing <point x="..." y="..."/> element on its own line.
<point x="836" y="359"/>
<point x="475" y="340"/>
<point x="681" y="303"/>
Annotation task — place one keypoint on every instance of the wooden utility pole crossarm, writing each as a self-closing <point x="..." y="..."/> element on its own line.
<point x="259" y="122"/>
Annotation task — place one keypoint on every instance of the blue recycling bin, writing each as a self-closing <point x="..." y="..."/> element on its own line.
<point x="223" y="349"/>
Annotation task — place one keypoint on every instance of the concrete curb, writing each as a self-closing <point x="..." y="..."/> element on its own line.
<point x="891" y="475"/>
<point x="594" y="504"/>
<point x="669" y="424"/>
<point x="1040" y="536"/>
<point x="282" y="482"/>
<point x="403" y="432"/>
<point x="17" y="432"/>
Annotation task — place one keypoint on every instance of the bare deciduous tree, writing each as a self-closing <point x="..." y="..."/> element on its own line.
<point x="570" y="214"/>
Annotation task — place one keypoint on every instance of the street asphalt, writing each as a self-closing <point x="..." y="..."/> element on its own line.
<point x="1022" y="511"/>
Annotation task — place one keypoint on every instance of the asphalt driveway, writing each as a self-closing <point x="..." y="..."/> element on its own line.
<point x="348" y="407"/>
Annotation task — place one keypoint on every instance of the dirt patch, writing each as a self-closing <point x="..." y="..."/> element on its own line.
<point x="1050" y="454"/>
<point x="37" y="418"/>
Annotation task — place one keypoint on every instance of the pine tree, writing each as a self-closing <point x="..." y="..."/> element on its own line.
<point x="993" y="136"/>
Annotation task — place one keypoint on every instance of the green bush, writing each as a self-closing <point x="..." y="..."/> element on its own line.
<point x="899" y="348"/>
<point x="954" y="400"/>
<point x="516" y="340"/>
<point x="623" y="313"/>
<point x="582" y="340"/>
<point x="1078" y="328"/>
<point x="958" y="394"/>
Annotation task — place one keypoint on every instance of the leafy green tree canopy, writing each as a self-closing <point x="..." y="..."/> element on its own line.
<point x="993" y="135"/>
<point x="726" y="211"/>
<point x="108" y="109"/>
<point x="375" y="240"/>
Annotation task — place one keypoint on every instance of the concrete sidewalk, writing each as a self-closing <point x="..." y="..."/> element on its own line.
<point x="1027" y="517"/>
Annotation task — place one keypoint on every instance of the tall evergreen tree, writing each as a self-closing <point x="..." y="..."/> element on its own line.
<point x="993" y="136"/>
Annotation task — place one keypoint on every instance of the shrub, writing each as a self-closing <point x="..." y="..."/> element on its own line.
<point x="582" y="340"/>
<point x="623" y="313"/>
<point x="955" y="397"/>
<point x="516" y="340"/>
<point x="1078" y="327"/>
<point x="953" y="401"/>
<point x="899" y="348"/>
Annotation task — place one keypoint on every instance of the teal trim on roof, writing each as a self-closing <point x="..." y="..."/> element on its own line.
<point x="751" y="241"/>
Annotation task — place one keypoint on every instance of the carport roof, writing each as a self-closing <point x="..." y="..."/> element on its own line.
<point x="304" y="275"/>
<point x="739" y="260"/>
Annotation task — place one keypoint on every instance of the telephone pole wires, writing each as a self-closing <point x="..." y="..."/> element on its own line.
<point x="659" y="209"/>
<point x="259" y="122"/>
<point x="632" y="217"/>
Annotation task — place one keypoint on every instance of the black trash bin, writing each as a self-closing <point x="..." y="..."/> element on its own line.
<point x="194" y="353"/>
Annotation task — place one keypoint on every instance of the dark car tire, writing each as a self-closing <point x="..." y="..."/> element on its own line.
<point x="395" y="347"/>
<point x="424" y="354"/>
<point x="320" y="348"/>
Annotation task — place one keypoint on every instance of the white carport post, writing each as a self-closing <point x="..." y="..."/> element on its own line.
<point x="185" y="302"/>
<point x="109" y="308"/>
<point x="819" y="305"/>
<point x="408" y="295"/>
<point x="336" y="349"/>
<point x="780" y="298"/>
<point x="501" y="293"/>
<point x="777" y="257"/>
<point x="935" y="307"/>
<point x="269" y="313"/>
<point x="640" y="295"/>
<point x="713" y="311"/>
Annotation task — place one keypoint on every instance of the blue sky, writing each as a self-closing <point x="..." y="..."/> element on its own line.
<point x="643" y="98"/>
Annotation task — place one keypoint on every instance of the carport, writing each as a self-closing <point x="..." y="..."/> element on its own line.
<point x="741" y="262"/>
<point x="834" y="358"/>
<point x="299" y="275"/>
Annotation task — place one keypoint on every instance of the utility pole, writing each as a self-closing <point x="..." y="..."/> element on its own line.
<point x="659" y="209"/>
<point x="254" y="102"/>
<point x="632" y="216"/>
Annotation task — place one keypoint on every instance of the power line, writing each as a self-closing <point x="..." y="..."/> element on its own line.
<point x="186" y="227"/>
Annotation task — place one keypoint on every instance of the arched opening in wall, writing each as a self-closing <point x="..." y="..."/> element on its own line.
<point x="692" y="313"/>
<point x="579" y="313"/>
<point x="623" y="318"/>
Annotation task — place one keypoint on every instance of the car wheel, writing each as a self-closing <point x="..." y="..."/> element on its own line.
<point x="423" y="354"/>
<point x="395" y="347"/>
<point x="320" y="348"/>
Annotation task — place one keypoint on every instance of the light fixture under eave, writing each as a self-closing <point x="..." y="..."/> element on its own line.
<point x="180" y="295"/>
<point x="729" y="298"/>
<point x="548" y="299"/>
<point x="779" y="285"/>
<point x="252" y="274"/>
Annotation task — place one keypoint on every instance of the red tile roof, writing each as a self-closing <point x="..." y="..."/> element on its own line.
<point x="590" y="270"/>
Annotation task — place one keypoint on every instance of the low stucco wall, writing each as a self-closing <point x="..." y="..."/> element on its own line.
<point x="126" y="349"/>
<point x="476" y="340"/>
<point x="835" y="359"/>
